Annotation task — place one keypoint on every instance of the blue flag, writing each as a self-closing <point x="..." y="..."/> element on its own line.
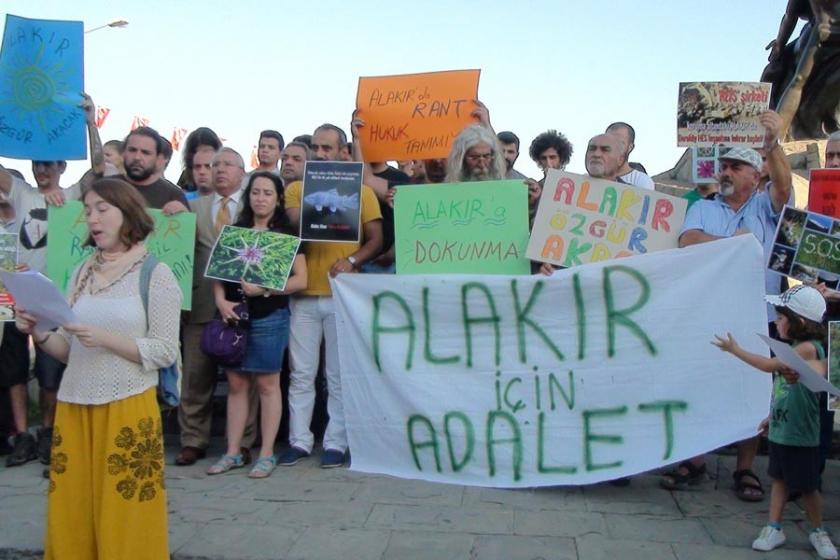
<point x="41" y="80"/>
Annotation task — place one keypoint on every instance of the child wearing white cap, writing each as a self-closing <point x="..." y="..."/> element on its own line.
<point x="794" y="420"/>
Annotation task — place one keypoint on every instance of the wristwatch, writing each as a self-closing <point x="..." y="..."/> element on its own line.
<point x="352" y="260"/>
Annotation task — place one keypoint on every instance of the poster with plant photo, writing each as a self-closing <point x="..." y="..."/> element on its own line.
<point x="807" y="247"/>
<point x="705" y="165"/>
<point x="8" y="260"/>
<point x="260" y="257"/>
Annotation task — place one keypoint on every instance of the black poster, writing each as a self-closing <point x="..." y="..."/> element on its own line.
<point x="331" y="201"/>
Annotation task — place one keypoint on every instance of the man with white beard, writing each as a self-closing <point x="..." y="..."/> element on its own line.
<point x="605" y="155"/>
<point x="475" y="156"/>
<point x="740" y="208"/>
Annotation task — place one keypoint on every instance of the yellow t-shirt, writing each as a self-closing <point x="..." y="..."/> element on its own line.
<point x="321" y="255"/>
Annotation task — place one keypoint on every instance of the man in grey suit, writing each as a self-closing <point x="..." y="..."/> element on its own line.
<point x="199" y="376"/>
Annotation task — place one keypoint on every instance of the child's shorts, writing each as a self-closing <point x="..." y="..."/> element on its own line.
<point x="798" y="467"/>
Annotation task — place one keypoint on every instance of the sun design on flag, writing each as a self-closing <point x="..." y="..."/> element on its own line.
<point x="34" y="87"/>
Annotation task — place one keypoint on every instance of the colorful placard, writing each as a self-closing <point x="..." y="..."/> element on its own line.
<point x="414" y="116"/>
<point x="41" y="80"/>
<point x="263" y="258"/>
<point x="824" y="192"/>
<point x="588" y="375"/>
<point x="711" y="113"/>
<point x="807" y="247"/>
<point x="582" y="219"/>
<point x="8" y="260"/>
<point x="705" y="163"/>
<point x="172" y="242"/>
<point x="478" y="227"/>
<point x="331" y="201"/>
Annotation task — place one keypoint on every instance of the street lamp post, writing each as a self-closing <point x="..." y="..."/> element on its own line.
<point x="115" y="23"/>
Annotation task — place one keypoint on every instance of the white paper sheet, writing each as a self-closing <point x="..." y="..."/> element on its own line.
<point x="40" y="297"/>
<point x="807" y="376"/>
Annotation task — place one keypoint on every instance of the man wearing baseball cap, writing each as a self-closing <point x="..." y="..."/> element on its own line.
<point x="740" y="208"/>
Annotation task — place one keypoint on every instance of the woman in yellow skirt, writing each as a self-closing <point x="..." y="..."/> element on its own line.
<point x="106" y="492"/>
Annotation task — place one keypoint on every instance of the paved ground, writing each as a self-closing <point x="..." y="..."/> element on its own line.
<point x="304" y="512"/>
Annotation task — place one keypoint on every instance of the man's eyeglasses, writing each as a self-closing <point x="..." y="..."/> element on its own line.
<point x="477" y="157"/>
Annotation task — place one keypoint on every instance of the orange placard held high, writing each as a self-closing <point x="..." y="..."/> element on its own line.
<point x="414" y="116"/>
<point x="824" y="192"/>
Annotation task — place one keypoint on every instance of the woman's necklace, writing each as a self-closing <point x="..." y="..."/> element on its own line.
<point x="101" y="264"/>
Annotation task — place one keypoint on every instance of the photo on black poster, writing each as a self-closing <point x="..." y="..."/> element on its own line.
<point x="331" y="201"/>
<point x="807" y="248"/>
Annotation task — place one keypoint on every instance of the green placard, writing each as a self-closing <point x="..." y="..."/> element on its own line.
<point x="172" y="242"/>
<point x="471" y="228"/>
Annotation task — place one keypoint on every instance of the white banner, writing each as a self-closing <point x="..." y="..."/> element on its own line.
<point x="598" y="372"/>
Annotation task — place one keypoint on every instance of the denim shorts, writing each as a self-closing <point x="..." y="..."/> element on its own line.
<point x="267" y="341"/>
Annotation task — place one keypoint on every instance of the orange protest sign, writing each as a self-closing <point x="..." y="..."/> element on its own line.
<point x="414" y="116"/>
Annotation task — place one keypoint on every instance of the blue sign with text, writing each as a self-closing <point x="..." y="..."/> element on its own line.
<point x="41" y="80"/>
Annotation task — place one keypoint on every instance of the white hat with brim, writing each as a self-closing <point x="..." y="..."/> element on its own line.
<point x="744" y="155"/>
<point x="805" y="301"/>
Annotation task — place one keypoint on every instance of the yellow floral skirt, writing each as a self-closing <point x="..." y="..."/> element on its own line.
<point x="106" y="495"/>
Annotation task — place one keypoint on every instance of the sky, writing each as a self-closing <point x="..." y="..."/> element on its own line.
<point x="570" y="65"/>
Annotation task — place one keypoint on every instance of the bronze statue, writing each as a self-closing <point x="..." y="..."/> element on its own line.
<point x="806" y="73"/>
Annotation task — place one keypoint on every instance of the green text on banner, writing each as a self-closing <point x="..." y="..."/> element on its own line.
<point x="479" y="227"/>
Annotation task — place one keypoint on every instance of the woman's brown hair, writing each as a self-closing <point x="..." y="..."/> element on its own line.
<point x="137" y="223"/>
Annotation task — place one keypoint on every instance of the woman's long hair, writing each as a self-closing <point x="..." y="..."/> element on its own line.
<point x="279" y="220"/>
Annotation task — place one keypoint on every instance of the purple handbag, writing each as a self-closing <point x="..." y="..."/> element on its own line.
<point x="225" y="342"/>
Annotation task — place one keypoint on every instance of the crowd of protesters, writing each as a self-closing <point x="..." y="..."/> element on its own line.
<point x="100" y="426"/>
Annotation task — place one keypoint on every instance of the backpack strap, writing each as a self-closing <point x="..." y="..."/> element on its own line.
<point x="146" y="270"/>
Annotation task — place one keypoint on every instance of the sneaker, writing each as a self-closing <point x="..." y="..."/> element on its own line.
<point x="769" y="538"/>
<point x="25" y="450"/>
<point x="822" y="544"/>
<point x="332" y="458"/>
<point x="44" y="445"/>
<point x="291" y="456"/>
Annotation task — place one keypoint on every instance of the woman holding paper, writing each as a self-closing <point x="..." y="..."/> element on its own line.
<point x="268" y="331"/>
<point x="106" y="492"/>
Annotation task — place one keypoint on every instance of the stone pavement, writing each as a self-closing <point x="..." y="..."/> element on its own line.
<point x="304" y="512"/>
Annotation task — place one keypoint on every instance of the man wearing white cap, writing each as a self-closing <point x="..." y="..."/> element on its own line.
<point x="740" y="208"/>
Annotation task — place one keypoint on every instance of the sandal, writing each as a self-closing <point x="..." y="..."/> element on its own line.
<point x="263" y="467"/>
<point x="748" y="490"/>
<point x="686" y="474"/>
<point x="226" y="463"/>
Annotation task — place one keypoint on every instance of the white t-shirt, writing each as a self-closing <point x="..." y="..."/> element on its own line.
<point x="638" y="179"/>
<point x="31" y="222"/>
